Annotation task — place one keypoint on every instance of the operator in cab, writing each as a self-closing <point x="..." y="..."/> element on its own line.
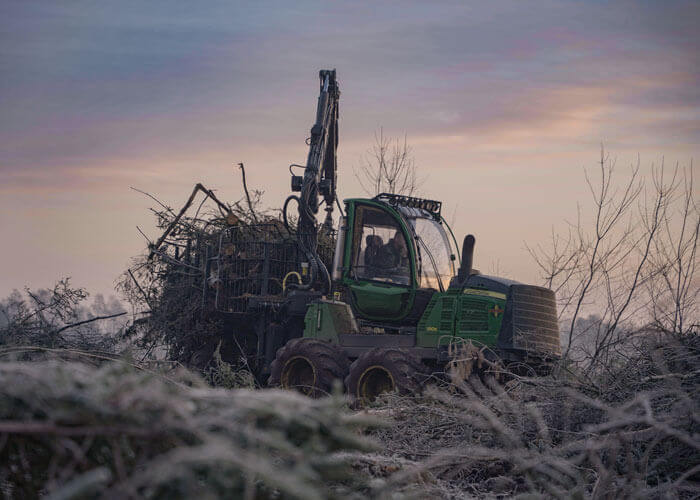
<point x="393" y="256"/>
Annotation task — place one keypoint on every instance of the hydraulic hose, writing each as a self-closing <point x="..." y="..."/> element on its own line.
<point x="285" y="220"/>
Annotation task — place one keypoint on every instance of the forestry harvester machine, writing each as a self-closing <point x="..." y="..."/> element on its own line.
<point x="391" y="304"/>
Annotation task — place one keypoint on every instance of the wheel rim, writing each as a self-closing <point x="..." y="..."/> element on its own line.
<point x="299" y="373"/>
<point x="374" y="381"/>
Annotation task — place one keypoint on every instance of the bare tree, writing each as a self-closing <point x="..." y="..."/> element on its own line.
<point x="633" y="271"/>
<point x="389" y="166"/>
<point x="673" y="297"/>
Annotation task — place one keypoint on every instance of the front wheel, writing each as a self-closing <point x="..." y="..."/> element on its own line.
<point x="385" y="370"/>
<point x="309" y="366"/>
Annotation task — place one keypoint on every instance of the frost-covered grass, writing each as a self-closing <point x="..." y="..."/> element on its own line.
<point x="73" y="430"/>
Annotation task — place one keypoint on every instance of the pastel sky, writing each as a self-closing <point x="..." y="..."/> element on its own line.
<point x="503" y="103"/>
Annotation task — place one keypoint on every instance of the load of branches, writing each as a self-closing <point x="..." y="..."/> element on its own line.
<point x="73" y="430"/>
<point x="199" y="274"/>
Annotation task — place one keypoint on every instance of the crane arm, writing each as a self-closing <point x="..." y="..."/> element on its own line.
<point x="319" y="178"/>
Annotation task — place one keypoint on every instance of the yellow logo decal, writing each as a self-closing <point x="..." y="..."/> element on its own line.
<point x="496" y="311"/>
<point x="486" y="293"/>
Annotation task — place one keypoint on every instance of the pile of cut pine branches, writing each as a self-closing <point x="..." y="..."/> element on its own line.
<point x="73" y="430"/>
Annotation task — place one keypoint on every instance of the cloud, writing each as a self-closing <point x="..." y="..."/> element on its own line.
<point x="99" y="96"/>
<point x="85" y="82"/>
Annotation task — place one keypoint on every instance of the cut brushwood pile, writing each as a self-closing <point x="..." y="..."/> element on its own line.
<point x="635" y="435"/>
<point x="203" y="269"/>
<point x="75" y="431"/>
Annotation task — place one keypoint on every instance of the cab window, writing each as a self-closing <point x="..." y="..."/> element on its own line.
<point x="434" y="249"/>
<point x="380" y="251"/>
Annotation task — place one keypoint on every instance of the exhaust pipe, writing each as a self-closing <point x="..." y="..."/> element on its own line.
<point x="465" y="269"/>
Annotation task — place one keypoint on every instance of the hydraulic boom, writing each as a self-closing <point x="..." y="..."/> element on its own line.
<point x="319" y="179"/>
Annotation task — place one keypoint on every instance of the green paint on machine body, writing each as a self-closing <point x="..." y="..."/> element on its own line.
<point x="326" y="320"/>
<point x="413" y="312"/>
<point x="472" y="314"/>
<point x="378" y="301"/>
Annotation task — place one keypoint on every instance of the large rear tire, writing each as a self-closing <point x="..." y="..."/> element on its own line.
<point x="309" y="366"/>
<point x="385" y="370"/>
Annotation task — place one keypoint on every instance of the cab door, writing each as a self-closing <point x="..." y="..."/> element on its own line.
<point x="379" y="268"/>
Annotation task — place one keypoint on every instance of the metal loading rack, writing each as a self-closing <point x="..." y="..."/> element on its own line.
<point x="253" y="261"/>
